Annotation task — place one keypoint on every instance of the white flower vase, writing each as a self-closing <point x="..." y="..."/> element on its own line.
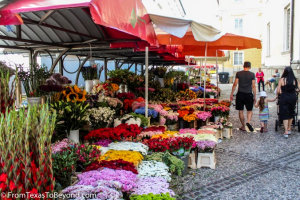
<point x="88" y="86"/>
<point x="34" y="100"/>
<point x="95" y="82"/>
<point x="74" y="136"/>
<point x="211" y="96"/>
<point x="217" y="118"/>
<point x="227" y="132"/>
<point x="161" y="82"/>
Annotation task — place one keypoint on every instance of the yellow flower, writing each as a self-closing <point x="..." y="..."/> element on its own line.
<point x="73" y="97"/>
<point x="77" y="89"/>
<point x="167" y="108"/>
<point x="115" y="87"/>
<point x="129" y="156"/>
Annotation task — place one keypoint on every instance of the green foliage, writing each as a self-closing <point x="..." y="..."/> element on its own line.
<point x="25" y="141"/>
<point x="6" y="94"/>
<point x="152" y="197"/>
<point x="120" y="76"/>
<point x="63" y="165"/>
<point x="175" y="165"/>
<point x="164" y="95"/>
<point x="177" y="75"/>
<point x="33" y="79"/>
<point x="89" y="73"/>
<point x="144" y="120"/>
<point x="70" y="115"/>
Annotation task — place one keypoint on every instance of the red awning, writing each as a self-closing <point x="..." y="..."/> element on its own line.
<point x="130" y="17"/>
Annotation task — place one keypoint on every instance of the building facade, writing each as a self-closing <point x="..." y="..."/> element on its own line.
<point x="171" y="8"/>
<point x="242" y="17"/>
<point x="281" y="26"/>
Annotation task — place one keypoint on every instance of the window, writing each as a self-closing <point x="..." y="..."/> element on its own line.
<point x="287" y="28"/>
<point x="238" y="25"/>
<point x="268" y="39"/>
<point x="238" y="58"/>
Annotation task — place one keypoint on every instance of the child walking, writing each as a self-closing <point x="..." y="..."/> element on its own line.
<point x="262" y="104"/>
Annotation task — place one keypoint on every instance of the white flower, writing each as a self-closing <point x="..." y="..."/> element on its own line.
<point x="129" y="146"/>
<point x="154" y="169"/>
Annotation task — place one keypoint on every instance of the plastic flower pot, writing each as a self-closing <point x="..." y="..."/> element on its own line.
<point x="34" y="100"/>
<point x="74" y="136"/>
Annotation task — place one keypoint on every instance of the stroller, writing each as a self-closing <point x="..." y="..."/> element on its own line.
<point x="296" y="121"/>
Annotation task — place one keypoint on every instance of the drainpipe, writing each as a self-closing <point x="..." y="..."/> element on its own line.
<point x="292" y="30"/>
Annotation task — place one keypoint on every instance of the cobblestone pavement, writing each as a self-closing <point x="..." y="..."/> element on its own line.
<point x="249" y="165"/>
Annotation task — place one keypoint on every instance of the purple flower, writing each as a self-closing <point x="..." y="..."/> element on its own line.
<point x="154" y="185"/>
<point x="103" y="143"/>
<point x="206" y="145"/>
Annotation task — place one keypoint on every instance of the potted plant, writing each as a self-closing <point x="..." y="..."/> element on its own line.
<point x="206" y="154"/>
<point x="32" y="80"/>
<point x="89" y="74"/>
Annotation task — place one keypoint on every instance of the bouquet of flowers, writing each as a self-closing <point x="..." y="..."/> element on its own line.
<point x="123" y="131"/>
<point x="103" y="189"/>
<point x="90" y="72"/>
<point x="129" y="146"/>
<point x="176" y="165"/>
<point x="60" y="145"/>
<point x="129" y="156"/>
<point x="206" y="146"/>
<point x="63" y="164"/>
<point x="151" y="112"/>
<point x="170" y="144"/>
<point x="112" y="164"/>
<point x="222" y="111"/>
<point x="128" y="119"/>
<point x="72" y="94"/>
<point x="100" y="117"/>
<point x="33" y="79"/>
<point x="171" y="117"/>
<point x="70" y="115"/>
<point x="87" y="154"/>
<point x="202" y="115"/>
<point x="125" y="95"/>
<point x="154" y="169"/>
<point x="154" y="185"/>
<point x="126" y="178"/>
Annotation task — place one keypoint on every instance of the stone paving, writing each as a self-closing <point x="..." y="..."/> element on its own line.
<point x="249" y="165"/>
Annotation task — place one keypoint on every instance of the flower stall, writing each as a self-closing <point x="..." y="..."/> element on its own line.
<point x="103" y="144"/>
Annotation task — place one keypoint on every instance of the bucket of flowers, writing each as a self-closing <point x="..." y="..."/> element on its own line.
<point x="203" y="118"/>
<point x="187" y="117"/>
<point x="219" y="111"/>
<point x="206" y="154"/>
<point x="227" y="130"/>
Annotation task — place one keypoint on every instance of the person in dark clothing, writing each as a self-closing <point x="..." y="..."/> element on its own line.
<point x="246" y="95"/>
<point x="288" y="87"/>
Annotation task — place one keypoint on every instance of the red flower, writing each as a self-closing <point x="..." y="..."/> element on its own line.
<point x="12" y="185"/>
<point x="3" y="177"/>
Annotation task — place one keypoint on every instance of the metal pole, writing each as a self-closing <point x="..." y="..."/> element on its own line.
<point x="105" y="69"/>
<point x="189" y="70"/>
<point x="205" y="74"/>
<point x="146" y="81"/>
<point x="217" y="71"/>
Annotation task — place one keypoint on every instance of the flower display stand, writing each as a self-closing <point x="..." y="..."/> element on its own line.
<point x="192" y="160"/>
<point x="206" y="160"/>
<point x="219" y="134"/>
<point x="227" y="133"/>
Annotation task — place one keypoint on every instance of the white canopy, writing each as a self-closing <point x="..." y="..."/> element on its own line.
<point x="179" y="27"/>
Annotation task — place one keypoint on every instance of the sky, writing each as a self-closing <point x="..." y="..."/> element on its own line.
<point x="201" y="10"/>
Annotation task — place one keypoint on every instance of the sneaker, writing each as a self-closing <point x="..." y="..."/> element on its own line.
<point x="285" y="135"/>
<point x="250" y="127"/>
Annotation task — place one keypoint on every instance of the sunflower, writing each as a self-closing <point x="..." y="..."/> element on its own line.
<point x="73" y="97"/>
<point x="77" y="89"/>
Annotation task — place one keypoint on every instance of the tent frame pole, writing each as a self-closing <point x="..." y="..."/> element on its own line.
<point x="205" y="59"/>
<point x="217" y="75"/>
<point x="146" y="80"/>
